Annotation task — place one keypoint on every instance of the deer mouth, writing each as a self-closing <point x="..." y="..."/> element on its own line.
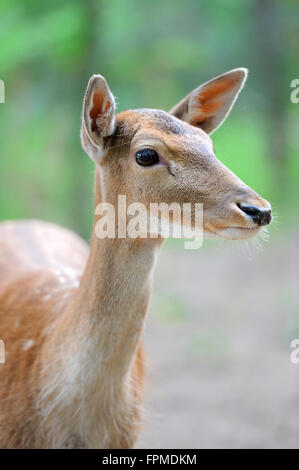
<point x="233" y="233"/>
<point x="239" y="233"/>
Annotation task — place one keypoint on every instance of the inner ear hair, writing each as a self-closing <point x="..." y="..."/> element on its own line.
<point x="98" y="109"/>
<point x="208" y="105"/>
<point x="97" y="116"/>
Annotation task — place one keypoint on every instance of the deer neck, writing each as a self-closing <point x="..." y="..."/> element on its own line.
<point x="113" y="299"/>
<point x="101" y="330"/>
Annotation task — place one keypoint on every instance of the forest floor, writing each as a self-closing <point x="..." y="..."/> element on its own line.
<point x="218" y="342"/>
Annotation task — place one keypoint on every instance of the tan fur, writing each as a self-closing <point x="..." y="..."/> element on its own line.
<point x="72" y="317"/>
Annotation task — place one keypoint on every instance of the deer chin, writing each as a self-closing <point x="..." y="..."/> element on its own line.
<point x="233" y="233"/>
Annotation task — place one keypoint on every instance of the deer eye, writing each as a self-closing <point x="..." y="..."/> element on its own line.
<point x="146" y="157"/>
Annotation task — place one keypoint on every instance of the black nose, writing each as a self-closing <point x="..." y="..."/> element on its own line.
<point x="259" y="216"/>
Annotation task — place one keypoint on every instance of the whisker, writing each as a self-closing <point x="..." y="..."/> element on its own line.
<point x="120" y="145"/>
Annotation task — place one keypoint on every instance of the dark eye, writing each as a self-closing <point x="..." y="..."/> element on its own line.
<point x="147" y="157"/>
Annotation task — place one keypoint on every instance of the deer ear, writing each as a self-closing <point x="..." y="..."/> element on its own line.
<point x="208" y="105"/>
<point x="97" y="117"/>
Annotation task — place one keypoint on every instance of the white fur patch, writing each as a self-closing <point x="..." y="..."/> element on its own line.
<point x="28" y="344"/>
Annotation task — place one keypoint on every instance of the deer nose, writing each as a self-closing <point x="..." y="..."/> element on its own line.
<point x="259" y="216"/>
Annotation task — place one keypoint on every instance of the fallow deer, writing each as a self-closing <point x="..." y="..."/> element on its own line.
<point x="72" y="317"/>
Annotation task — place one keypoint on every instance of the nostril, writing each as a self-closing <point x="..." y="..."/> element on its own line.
<point x="259" y="216"/>
<point x="249" y="210"/>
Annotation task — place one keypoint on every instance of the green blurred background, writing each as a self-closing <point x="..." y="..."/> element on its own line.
<point x="152" y="54"/>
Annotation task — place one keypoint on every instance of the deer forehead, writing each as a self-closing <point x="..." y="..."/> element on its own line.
<point x="157" y="128"/>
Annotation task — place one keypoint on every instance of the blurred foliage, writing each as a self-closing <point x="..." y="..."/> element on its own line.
<point x="152" y="54"/>
<point x="209" y="345"/>
<point x="171" y="309"/>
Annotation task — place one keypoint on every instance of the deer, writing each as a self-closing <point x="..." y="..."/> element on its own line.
<point x="72" y="317"/>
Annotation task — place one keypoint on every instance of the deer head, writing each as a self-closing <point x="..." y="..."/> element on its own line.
<point x="156" y="156"/>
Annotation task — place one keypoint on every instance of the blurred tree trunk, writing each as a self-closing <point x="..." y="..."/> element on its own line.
<point x="270" y="38"/>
